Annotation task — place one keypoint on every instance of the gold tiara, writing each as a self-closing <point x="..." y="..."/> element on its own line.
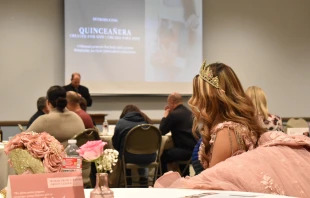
<point x="207" y="75"/>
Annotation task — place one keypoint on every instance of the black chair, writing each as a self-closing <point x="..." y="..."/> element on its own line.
<point x="88" y="172"/>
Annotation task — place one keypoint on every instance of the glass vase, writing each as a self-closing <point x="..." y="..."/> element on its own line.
<point x="102" y="189"/>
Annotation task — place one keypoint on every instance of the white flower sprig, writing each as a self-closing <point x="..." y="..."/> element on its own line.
<point x="106" y="162"/>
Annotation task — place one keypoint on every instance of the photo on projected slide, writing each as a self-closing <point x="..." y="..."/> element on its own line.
<point x="174" y="35"/>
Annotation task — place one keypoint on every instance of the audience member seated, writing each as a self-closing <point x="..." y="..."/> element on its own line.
<point x="60" y="122"/>
<point x="130" y="117"/>
<point x="93" y="172"/>
<point x="42" y="109"/>
<point x="178" y="120"/>
<point x="195" y="158"/>
<point x="73" y="104"/>
<point x="269" y="121"/>
<point x="80" y="89"/>
<point x="83" y="105"/>
<point x="231" y="128"/>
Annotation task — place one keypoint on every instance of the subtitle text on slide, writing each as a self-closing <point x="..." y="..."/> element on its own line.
<point x="104" y="49"/>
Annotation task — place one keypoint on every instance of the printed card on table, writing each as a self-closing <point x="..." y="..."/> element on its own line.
<point x="297" y="131"/>
<point x="49" y="185"/>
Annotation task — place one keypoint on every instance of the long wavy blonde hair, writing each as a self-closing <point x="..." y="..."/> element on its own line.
<point x="259" y="100"/>
<point x="211" y="105"/>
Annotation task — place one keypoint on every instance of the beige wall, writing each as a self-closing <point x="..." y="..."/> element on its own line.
<point x="31" y="54"/>
<point x="267" y="42"/>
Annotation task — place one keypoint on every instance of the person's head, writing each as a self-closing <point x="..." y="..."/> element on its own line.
<point x="56" y="98"/>
<point x="73" y="100"/>
<point x="75" y="80"/>
<point x="259" y="100"/>
<point x="218" y="96"/>
<point x="133" y="108"/>
<point x="83" y="103"/>
<point x="174" y="100"/>
<point x="41" y="104"/>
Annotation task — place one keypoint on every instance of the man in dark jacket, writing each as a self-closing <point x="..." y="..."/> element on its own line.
<point x="82" y="90"/>
<point x="42" y="109"/>
<point x="178" y="120"/>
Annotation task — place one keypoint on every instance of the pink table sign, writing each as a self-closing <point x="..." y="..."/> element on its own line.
<point x="49" y="185"/>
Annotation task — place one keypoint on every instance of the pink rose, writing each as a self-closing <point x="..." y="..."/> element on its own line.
<point x="92" y="150"/>
<point x="27" y="137"/>
<point x="52" y="163"/>
<point x="14" y="143"/>
<point x="37" y="148"/>
<point x="47" y="138"/>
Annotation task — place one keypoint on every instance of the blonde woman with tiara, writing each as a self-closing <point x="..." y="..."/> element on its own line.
<point x="236" y="151"/>
<point x="269" y="121"/>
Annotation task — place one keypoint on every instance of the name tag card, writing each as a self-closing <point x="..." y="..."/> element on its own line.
<point x="49" y="185"/>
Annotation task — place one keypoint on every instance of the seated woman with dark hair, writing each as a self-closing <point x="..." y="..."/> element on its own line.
<point x="131" y="117"/>
<point x="60" y="122"/>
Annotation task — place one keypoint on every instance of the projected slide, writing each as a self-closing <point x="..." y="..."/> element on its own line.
<point x="133" y="46"/>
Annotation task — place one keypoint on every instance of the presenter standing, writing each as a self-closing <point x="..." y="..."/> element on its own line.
<point x="82" y="90"/>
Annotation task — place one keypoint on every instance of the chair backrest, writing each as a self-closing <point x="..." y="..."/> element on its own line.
<point x="297" y="123"/>
<point x="21" y="128"/>
<point x="143" y="139"/>
<point x="86" y="135"/>
<point x="82" y="138"/>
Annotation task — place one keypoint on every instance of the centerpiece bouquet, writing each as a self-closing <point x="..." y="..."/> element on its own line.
<point x="33" y="153"/>
<point x="104" y="159"/>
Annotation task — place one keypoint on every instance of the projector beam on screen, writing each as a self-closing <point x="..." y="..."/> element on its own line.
<point x="149" y="48"/>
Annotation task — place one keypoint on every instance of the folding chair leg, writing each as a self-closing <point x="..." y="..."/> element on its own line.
<point x="155" y="174"/>
<point x="160" y="169"/>
<point x="125" y="175"/>
<point x="185" y="168"/>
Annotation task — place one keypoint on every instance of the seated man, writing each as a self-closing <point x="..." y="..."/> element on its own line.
<point x="74" y="105"/>
<point x="42" y="109"/>
<point x="178" y="120"/>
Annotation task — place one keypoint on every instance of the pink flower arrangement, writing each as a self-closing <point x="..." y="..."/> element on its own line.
<point x="41" y="146"/>
<point x="93" y="151"/>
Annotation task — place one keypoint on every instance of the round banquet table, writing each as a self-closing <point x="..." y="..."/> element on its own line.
<point x="180" y="193"/>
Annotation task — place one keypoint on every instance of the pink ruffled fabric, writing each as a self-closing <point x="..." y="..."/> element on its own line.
<point x="280" y="165"/>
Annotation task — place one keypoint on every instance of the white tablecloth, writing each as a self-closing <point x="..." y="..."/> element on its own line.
<point x="5" y="168"/>
<point x="179" y="193"/>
